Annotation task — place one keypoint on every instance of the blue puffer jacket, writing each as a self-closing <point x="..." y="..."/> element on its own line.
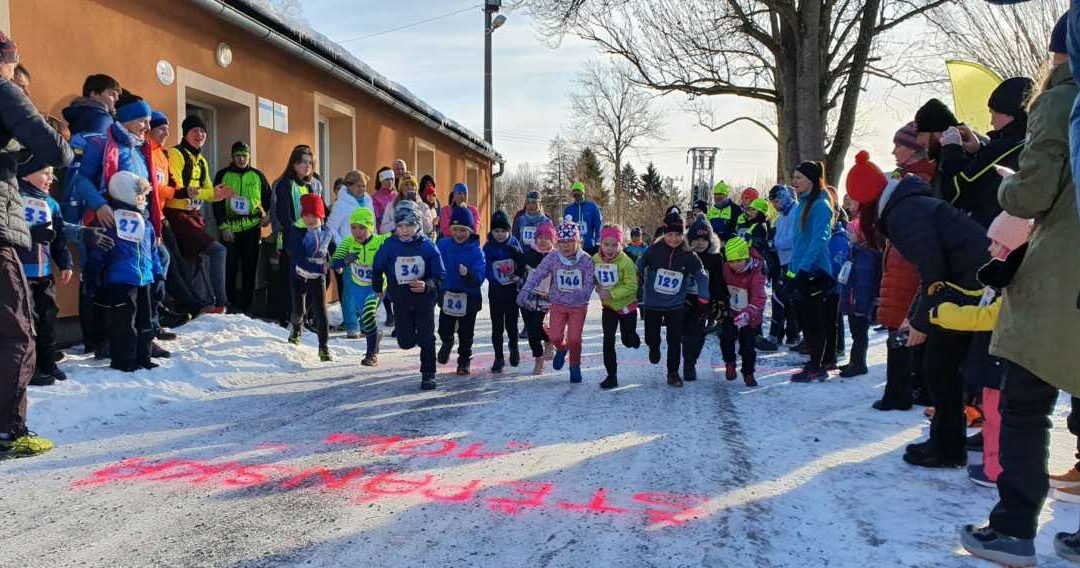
<point x="386" y="265"/>
<point x="858" y="296"/>
<point x="587" y="215"/>
<point x="130" y="263"/>
<point x="87" y="115"/>
<point x="88" y="189"/>
<point x="311" y="252"/>
<point x="494" y="254"/>
<point x="469" y="255"/>
<point x="786" y="226"/>
<point x="810" y="253"/>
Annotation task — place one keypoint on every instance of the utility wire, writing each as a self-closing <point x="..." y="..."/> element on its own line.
<point x="412" y="25"/>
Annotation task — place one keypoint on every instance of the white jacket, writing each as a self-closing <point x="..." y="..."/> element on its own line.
<point x="341" y="211"/>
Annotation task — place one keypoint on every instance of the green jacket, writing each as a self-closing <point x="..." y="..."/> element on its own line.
<point x="359" y="271"/>
<point x="1039" y="321"/>
<point x="253" y="194"/>
<point x="624" y="288"/>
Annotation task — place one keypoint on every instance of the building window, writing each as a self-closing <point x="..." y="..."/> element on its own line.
<point x="424" y="161"/>
<point x="472" y="179"/>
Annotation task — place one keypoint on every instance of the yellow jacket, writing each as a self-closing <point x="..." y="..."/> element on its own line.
<point x="191" y="173"/>
<point x="955" y="317"/>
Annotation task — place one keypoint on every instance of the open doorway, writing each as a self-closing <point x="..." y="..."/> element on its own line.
<point x="335" y="137"/>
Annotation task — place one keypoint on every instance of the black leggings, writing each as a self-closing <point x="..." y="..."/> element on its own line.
<point x="416" y="326"/>
<point x="534" y="323"/>
<point x="465" y="326"/>
<point x="729" y="334"/>
<point x="674" y="320"/>
<point x="860" y="339"/>
<point x="309" y="295"/>
<point x="242" y="255"/>
<point x="504" y="317"/>
<point x="817" y="317"/>
<point x="129" y="324"/>
<point x="627" y="324"/>
<point x="43" y="293"/>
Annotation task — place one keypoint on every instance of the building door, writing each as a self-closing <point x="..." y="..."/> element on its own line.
<point x="322" y="153"/>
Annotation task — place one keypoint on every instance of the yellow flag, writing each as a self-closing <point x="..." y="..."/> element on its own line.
<point x="972" y="84"/>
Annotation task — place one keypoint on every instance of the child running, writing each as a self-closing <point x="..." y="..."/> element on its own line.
<point x="461" y="299"/>
<point x="533" y="301"/>
<point x="571" y="271"/>
<point x="706" y="245"/>
<point x="354" y="257"/>
<point x="309" y="256"/>
<point x="414" y="271"/>
<point x="617" y="285"/>
<point x="666" y="269"/>
<point x="505" y="268"/>
<point x="744" y="273"/>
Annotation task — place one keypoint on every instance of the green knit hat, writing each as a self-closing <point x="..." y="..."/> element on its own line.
<point x="760" y="205"/>
<point x="577" y="186"/>
<point x="721" y="188"/>
<point x="736" y="248"/>
<point x="364" y="217"/>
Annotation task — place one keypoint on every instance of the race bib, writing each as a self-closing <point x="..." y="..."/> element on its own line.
<point x="454" y="304"/>
<point x="845" y="273"/>
<point x="528" y="235"/>
<point x="503" y="270"/>
<point x="36" y="211"/>
<point x="361" y="273"/>
<point x="584" y="228"/>
<point x="568" y="280"/>
<point x="240" y="205"/>
<point x="607" y="275"/>
<point x="194" y="204"/>
<point x="668" y="282"/>
<point x="130" y="226"/>
<point x="738" y="298"/>
<point x="409" y="268"/>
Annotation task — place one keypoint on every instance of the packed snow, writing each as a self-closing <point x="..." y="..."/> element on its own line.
<point x="243" y="450"/>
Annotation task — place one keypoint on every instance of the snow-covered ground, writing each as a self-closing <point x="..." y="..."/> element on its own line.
<point x="243" y="450"/>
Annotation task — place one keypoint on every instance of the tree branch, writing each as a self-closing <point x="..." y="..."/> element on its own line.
<point x="765" y="127"/>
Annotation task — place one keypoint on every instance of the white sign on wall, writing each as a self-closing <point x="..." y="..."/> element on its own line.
<point x="281" y="118"/>
<point x="266" y="113"/>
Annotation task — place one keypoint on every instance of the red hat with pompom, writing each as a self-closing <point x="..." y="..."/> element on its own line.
<point x="312" y="204"/>
<point x="865" y="181"/>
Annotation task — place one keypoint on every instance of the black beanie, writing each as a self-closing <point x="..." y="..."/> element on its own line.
<point x="673" y="223"/>
<point x="1059" y="37"/>
<point x="934" y="116"/>
<point x="700" y="229"/>
<point x="812" y="170"/>
<point x="190" y="123"/>
<point x="1009" y="97"/>
<point x="29" y="163"/>
<point x="500" y="220"/>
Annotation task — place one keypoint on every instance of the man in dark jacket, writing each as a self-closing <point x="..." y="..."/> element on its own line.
<point x="19" y="120"/>
<point x="932" y="120"/>
<point x="92" y="112"/>
<point x="969" y="180"/>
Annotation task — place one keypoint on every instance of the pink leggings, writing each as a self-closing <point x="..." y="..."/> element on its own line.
<point x="991" y="432"/>
<point x="563" y="317"/>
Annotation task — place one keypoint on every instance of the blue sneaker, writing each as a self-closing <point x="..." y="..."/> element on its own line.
<point x="559" y="360"/>
<point x="1067" y="546"/>
<point x="575" y="374"/>
<point x="988" y="544"/>
<point x="978" y="476"/>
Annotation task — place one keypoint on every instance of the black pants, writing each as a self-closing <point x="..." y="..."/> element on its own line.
<point x="611" y="321"/>
<point x="242" y="255"/>
<point x="502" y="302"/>
<point x="180" y="276"/>
<point x="309" y="296"/>
<point x="860" y="339"/>
<point x="1074" y="426"/>
<point x="43" y="296"/>
<point x="945" y="351"/>
<point x="817" y="317"/>
<point x="899" y="374"/>
<point x="129" y="323"/>
<point x="674" y="320"/>
<point x="1026" y="404"/>
<point x="92" y="312"/>
<point x="745" y="335"/>
<point x="416" y="326"/>
<point x="841" y="336"/>
<point x="17" y="359"/>
<point x="465" y="326"/>
<point x="785" y="321"/>
<point x="534" y="324"/>
<point x="693" y="338"/>
<point x="832" y="327"/>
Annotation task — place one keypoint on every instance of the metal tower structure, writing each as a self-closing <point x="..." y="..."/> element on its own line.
<point x="703" y="163"/>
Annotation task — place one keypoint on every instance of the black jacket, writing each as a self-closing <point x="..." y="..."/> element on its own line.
<point x="19" y="120"/>
<point x="969" y="181"/>
<point x="943" y="243"/>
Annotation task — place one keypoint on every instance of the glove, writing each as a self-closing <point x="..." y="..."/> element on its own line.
<point x="98" y="238"/>
<point x="42" y="234"/>
<point x="951" y="137"/>
<point x="741" y="320"/>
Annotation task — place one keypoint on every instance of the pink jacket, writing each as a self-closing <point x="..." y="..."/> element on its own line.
<point x="382" y="200"/>
<point x="746" y="290"/>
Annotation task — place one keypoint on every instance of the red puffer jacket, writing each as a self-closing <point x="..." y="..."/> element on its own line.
<point x="899" y="284"/>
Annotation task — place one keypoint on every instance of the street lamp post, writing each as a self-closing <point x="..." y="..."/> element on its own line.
<point x="490" y="25"/>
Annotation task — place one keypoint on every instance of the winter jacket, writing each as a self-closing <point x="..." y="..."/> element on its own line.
<point x="358" y="269"/>
<point x="810" y="249"/>
<point x="784" y="236"/>
<point x="859" y="294"/>
<point x="163" y="182"/>
<point x="444" y="220"/>
<point x="133" y="260"/>
<point x="619" y="278"/>
<point x="344" y="206"/>
<point x="530" y="300"/>
<point x="380" y="200"/>
<point x="1039" y="313"/>
<point x="713" y="262"/>
<point x="746" y="290"/>
<point x="427" y="218"/>
<point x="635" y="250"/>
<point x="572" y="279"/>
<point x="970" y="181"/>
<point x="943" y="243"/>
<point x="399" y="262"/>
<point x="589" y="219"/>
<point x="469" y="255"/>
<point x="899" y="285"/>
<point x="525" y="227"/>
<point x="41" y="209"/>
<point x="244" y="211"/>
<point x="115" y="151"/>
<point x="310" y="253"/>
<point x="724" y="219"/>
<point x="19" y="120"/>
<point x="505" y="264"/>
<point x="667" y="290"/>
<point x="286" y="216"/>
<point x="85" y="114"/>
<point x="976" y="312"/>
<point x="192" y="174"/>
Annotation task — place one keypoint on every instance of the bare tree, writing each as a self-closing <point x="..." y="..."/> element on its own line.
<point x="1011" y="40"/>
<point x="613" y="114"/>
<point x="809" y="59"/>
<point x="512" y="188"/>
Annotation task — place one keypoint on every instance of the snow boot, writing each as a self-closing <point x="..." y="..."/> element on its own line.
<point x="427" y="381"/>
<point x="931" y="460"/>
<point x="988" y="544"/>
<point x="444" y="353"/>
<point x="808" y="375"/>
<point x="690" y="373"/>
<point x="41" y="379"/>
<point x="654" y="355"/>
<point x="853" y="370"/>
<point x="729" y="372"/>
<point x="515" y="356"/>
<point x="324" y="354"/>
<point x="1067" y="546"/>
<point x="159" y="352"/>
<point x="463" y="368"/>
<point x="538" y="365"/>
<point x="559" y="360"/>
<point x="294" y="337"/>
<point x="370" y="360"/>
<point x="497" y="366"/>
<point x="749" y="380"/>
<point x="59" y="375"/>
<point x="610" y="382"/>
<point x="765" y="344"/>
<point x="575" y="373"/>
<point x="674" y="380"/>
<point x="882" y="405"/>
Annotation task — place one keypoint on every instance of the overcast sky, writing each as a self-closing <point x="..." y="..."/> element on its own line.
<point x="442" y="62"/>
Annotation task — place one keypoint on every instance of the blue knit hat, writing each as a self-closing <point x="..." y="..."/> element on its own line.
<point x="461" y="217"/>
<point x="158" y="118"/>
<point x="1059" y="37"/>
<point x="133" y="110"/>
<point x="461" y="188"/>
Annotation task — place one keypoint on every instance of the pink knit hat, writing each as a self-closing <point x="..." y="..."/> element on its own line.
<point x="545" y="230"/>
<point x="614" y="232"/>
<point x="1009" y="231"/>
